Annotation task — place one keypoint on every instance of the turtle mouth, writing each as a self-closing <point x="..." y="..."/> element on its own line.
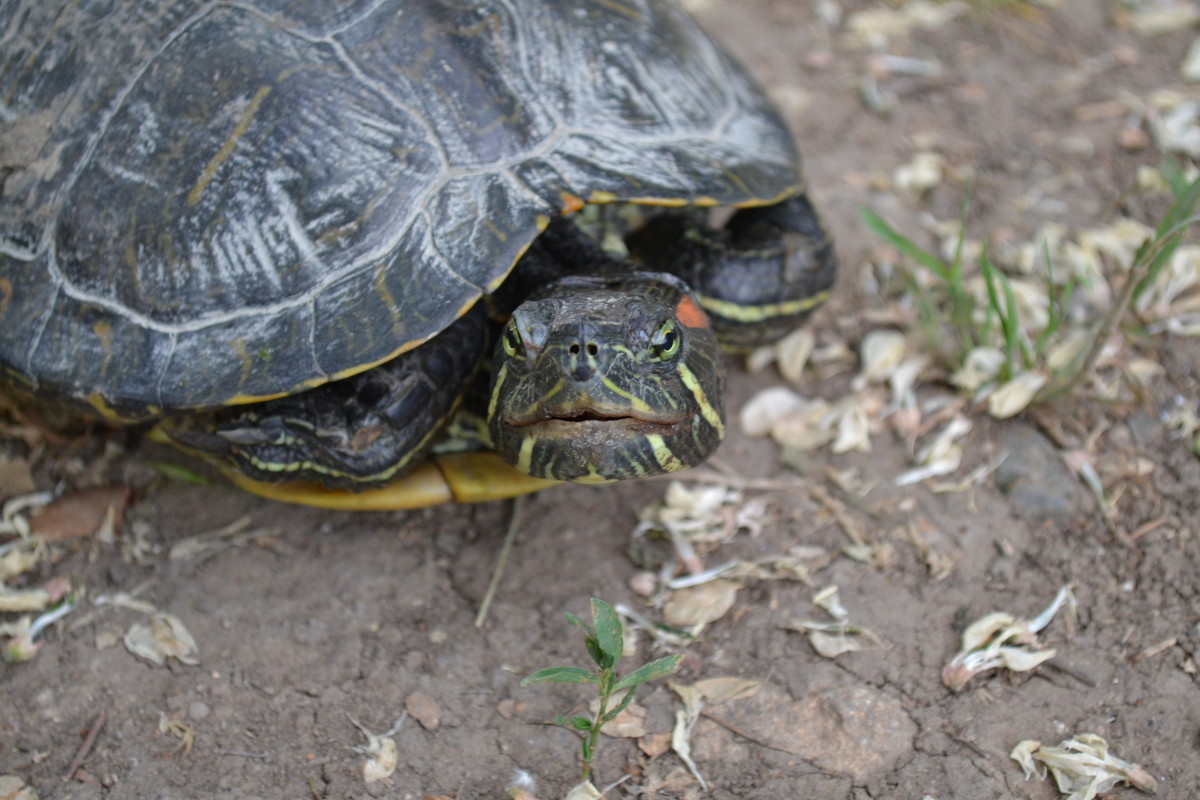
<point x="592" y="419"/>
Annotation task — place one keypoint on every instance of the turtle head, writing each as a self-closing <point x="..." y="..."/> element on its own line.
<point x="602" y="378"/>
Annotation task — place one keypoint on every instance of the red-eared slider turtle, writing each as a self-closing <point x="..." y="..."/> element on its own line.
<point x="271" y="224"/>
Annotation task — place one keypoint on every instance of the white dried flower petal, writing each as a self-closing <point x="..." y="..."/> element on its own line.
<point x="763" y="410"/>
<point x="380" y="751"/>
<point x="1067" y="351"/>
<point x="807" y="428"/>
<point x="163" y="636"/>
<point x="979" y="632"/>
<point x="922" y="173"/>
<point x="1023" y="755"/>
<point x="793" y="352"/>
<point x="880" y="353"/>
<point x="829" y="645"/>
<point x="1019" y="659"/>
<point x="760" y="358"/>
<point x="1082" y="766"/>
<point x="853" y="427"/>
<point x="828" y="599"/>
<point x="904" y="377"/>
<point x="1014" y="395"/>
<point x="1189" y="70"/>
<point x="981" y="365"/>
<point x="1000" y="640"/>
<point x="583" y="791"/>
<point x="1176" y="130"/>
<point x="15" y="600"/>
<point x="1119" y="241"/>
<point x="1166" y="16"/>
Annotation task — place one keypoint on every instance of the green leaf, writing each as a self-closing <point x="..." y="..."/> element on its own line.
<point x="593" y="648"/>
<point x="608" y="633"/>
<point x="581" y="723"/>
<point x="648" y="672"/>
<point x="560" y="719"/>
<point x="561" y="675"/>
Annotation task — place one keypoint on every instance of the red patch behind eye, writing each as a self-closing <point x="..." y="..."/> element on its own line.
<point x="690" y="314"/>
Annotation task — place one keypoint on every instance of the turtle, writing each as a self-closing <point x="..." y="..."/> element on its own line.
<point x="304" y="238"/>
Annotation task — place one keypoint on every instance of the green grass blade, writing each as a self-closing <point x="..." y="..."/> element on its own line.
<point x="906" y="246"/>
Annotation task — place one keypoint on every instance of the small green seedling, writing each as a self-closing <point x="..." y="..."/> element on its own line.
<point x="604" y="642"/>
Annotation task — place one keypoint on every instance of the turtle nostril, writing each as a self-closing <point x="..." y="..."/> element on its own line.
<point x="574" y="349"/>
<point x="592" y="349"/>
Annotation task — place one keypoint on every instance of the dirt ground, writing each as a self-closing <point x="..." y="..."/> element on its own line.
<point x="326" y="616"/>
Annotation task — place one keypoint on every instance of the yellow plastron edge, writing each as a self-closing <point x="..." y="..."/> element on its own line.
<point x="450" y="478"/>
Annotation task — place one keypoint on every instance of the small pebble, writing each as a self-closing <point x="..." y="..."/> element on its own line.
<point x="424" y="709"/>
<point x="643" y="583"/>
<point x="197" y="711"/>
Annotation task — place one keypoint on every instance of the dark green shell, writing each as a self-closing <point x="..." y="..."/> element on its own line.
<point x="206" y="203"/>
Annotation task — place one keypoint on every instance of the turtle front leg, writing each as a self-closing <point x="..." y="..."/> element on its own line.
<point x="355" y="433"/>
<point x="758" y="277"/>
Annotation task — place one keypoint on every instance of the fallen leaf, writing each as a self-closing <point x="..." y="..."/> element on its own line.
<point x="685" y="722"/>
<point x="700" y="605"/>
<point x="655" y="744"/>
<point x="722" y="690"/>
<point x="81" y="514"/>
<point x="629" y="724"/>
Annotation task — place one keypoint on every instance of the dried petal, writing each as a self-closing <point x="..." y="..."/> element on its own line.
<point x="1082" y="766"/>
<point x="792" y="353"/>
<point x="763" y="410"/>
<point x="981" y="365"/>
<point x="583" y="791"/>
<point x="853" y="427"/>
<point x="922" y="173"/>
<point x="163" y="637"/>
<point x="700" y="605"/>
<point x="881" y="352"/>
<point x="380" y="752"/>
<point x="1014" y="396"/>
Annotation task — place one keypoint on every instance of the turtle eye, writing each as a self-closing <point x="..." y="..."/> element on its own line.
<point x="514" y="347"/>
<point x="665" y="342"/>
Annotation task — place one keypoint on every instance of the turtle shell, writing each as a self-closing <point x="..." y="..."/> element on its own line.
<point x="207" y="203"/>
